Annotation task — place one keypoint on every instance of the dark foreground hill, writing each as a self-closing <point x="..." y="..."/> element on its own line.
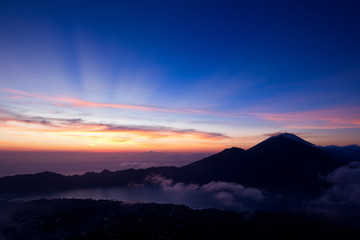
<point x="90" y="219"/>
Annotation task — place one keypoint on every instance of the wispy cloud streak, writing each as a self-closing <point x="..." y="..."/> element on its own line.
<point x="79" y="125"/>
<point x="315" y="119"/>
<point x="74" y="102"/>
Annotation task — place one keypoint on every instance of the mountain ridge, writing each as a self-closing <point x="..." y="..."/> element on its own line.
<point x="284" y="163"/>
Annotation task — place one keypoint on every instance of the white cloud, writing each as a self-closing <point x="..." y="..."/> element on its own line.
<point x="221" y="194"/>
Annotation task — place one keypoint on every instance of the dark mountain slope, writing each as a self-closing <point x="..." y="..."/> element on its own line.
<point x="218" y="167"/>
<point x="284" y="163"/>
<point x="288" y="164"/>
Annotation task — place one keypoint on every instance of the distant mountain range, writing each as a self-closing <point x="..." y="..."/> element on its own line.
<point x="283" y="164"/>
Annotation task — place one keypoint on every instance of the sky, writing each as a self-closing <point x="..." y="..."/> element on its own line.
<point x="177" y="76"/>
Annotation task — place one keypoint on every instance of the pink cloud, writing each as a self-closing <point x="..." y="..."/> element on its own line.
<point x="61" y="101"/>
<point x="317" y="119"/>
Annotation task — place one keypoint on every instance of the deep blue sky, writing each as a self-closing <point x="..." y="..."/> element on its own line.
<point x="242" y="69"/>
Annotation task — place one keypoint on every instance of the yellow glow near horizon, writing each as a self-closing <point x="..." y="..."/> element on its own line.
<point x="19" y="136"/>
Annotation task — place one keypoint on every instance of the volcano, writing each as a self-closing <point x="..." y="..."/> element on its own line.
<point x="283" y="163"/>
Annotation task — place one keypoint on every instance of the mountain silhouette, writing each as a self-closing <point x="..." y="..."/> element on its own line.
<point x="45" y="182"/>
<point x="284" y="164"/>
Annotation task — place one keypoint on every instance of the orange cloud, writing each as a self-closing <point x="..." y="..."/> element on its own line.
<point x="77" y="124"/>
<point x="75" y="134"/>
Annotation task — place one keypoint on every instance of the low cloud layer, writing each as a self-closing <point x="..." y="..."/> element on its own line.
<point x="216" y="194"/>
<point x="343" y="154"/>
<point x="343" y="197"/>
